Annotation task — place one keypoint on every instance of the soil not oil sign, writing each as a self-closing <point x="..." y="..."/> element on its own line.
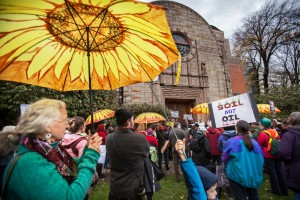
<point x="227" y="112"/>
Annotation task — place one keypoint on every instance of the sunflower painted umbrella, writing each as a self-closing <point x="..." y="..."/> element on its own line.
<point x="265" y="108"/>
<point x="100" y="115"/>
<point x="148" y="117"/>
<point x="201" y="109"/>
<point x="84" y="45"/>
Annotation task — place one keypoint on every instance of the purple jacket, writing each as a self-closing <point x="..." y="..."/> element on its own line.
<point x="289" y="152"/>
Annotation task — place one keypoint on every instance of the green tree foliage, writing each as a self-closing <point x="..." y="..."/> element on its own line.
<point x="78" y="103"/>
<point x="285" y="98"/>
<point x="137" y="109"/>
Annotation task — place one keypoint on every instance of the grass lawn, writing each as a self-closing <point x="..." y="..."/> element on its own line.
<point x="170" y="189"/>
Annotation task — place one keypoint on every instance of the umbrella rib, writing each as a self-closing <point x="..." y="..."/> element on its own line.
<point x="81" y="34"/>
<point x="108" y="39"/>
<point x="98" y="28"/>
<point x="63" y="33"/>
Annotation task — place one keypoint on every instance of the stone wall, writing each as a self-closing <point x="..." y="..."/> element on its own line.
<point x="205" y="74"/>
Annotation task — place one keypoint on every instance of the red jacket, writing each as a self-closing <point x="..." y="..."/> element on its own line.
<point x="213" y="135"/>
<point x="152" y="141"/>
<point x="263" y="139"/>
<point x="103" y="135"/>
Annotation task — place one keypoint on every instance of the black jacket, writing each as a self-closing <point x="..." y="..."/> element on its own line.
<point x="201" y="153"/>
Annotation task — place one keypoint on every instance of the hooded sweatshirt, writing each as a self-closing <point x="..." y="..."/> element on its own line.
<point x="213" y="136"/>
<point x="289" y="152"/>
<point x="208" y="178"/>
<point x="70" y="138"/>
<point x="193" y="181"/>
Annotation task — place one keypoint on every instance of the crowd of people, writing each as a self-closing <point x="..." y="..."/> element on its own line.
<point x="53" y="153"/>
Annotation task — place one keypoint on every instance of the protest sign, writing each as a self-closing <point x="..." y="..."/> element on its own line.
<point x="227" y="112"/>
<point x="23" y="108"/>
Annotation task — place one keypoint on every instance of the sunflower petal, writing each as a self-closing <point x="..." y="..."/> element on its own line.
<point x="42" y="60"/>
<point x="76" y="65"/>
<point x="141" y="25"/>
<point x="23" y="42"/>
<point x="99" y="66"/>
<point x="130" y="7"/>
<point x="141" y="54"/>
<point x="125" y="60"/>
<point x="35" y="66"/>
<point x="149" y="47"/>
<point x="36" y="4"/>
<point x="63" y="61"/>
<point x="111" y="63"/>
<point x="121" y="67"/>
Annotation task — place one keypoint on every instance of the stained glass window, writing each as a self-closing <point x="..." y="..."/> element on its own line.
<point x="182" y="44"/>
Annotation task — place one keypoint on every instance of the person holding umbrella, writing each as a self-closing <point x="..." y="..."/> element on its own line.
<point x="46" y="171"/>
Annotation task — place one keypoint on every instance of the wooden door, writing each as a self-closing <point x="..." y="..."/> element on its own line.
<point x="183" y="106"/>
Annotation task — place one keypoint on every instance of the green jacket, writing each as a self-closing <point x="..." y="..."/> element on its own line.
<point x="33" y="177"/>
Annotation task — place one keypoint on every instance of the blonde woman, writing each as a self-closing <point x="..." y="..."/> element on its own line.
<point x="47" y="171"/>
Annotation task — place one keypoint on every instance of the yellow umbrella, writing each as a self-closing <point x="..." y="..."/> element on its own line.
<point x="100" y="115"/>
<point x="84" y="45"/>
<point x="201" y="109"/>
<point x="265" y="108"/>
<point x="149" y="117"/>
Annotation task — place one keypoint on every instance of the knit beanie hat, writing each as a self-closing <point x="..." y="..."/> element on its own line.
<point x="122" y="115"/>
<point x="150" y="131"/>
<point x="161" y="127"/>
<point x="207" y="177"/>
<point x="265" y="122"/>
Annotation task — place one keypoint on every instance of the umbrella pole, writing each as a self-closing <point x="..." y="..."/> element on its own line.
<point x="90" y="82"/>
<point x="165" y="114"/>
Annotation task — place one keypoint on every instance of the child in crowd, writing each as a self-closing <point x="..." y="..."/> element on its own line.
<point x="201" y="183"/>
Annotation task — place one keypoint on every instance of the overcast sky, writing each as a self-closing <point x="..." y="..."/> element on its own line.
<point x="224" y="14"/>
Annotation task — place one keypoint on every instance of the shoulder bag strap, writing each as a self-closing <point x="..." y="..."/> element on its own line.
<point x="124" y="162"/>
<point x="268" y="133"/>
<point x="6" y="178"/>
<point x="161" y="136"/>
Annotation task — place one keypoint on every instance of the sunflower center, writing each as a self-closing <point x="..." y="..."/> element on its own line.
<point x="85" y="27"/>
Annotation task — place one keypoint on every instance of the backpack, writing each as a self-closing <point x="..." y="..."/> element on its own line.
<point x="196" y="144"/>
<point x="73" y="145"/>
<point x="273" y="144"/>
<point x="223" y="139"/>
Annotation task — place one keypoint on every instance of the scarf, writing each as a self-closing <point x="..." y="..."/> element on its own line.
<point x="64" y="163"/>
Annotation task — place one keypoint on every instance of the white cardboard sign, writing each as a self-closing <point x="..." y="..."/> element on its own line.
<point x="227" y="112"/>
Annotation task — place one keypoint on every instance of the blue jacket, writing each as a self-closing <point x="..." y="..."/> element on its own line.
<point x="194" y="184"/>
<point x="243" y="166"/>
<point x="224" y="137"/>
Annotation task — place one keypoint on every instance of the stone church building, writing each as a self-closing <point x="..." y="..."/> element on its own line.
<point x="208" y="71"/>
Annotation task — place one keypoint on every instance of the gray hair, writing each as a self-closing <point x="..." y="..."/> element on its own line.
<point x="294" y="120"/>
<point x="38" y="115"/>
<point x="9" y="141"/>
